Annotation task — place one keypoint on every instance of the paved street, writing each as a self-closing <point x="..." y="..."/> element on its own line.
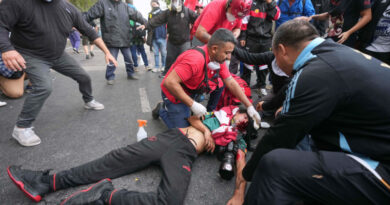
<point x="72" y="135"/>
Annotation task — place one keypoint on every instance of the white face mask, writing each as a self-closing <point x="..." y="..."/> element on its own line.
<point x="230" y="17"/>
<point x="213" y="65"/>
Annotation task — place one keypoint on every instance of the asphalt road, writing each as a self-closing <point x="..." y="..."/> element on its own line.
<point x="72" y="135"/>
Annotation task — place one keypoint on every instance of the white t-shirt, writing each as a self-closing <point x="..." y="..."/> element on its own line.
<point x="381" y="43"/>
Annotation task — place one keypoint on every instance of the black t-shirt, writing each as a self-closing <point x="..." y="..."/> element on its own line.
<point x="40" y="29"/>
<point x="344" y="14"/>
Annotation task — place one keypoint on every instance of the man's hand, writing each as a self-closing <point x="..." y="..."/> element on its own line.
<point x="254" y="114"/>
<point x="142" y="27"/>
<point x="236" y="33"/>
<point x="110" y="58"/>
<point x="210" y="145"/>
<point x="259" y="106"/>
<point x="236" y="200"/>
<point x="278" y="111"/>
<point x="343" y="37"/>
<point x="304" y="18"/>
<point x="242" y="43"/>
<point x="198" y="109"/>
<point x="13" y="60"/>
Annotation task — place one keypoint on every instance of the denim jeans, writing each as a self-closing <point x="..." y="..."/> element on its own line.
<point x="38" y="72"/>
<point x="74" y="38"/>
<point x="174" y="115"/>
<point x="110" y="75"/>
<point x="214" y="98"/>
<point x="141" y="50"/>
<point x="159" y="45"/>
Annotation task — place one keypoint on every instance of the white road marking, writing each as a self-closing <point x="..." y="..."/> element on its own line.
<point x="145" y="105"/>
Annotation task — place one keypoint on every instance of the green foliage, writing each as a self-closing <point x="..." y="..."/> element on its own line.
<point x="83" y="5"/>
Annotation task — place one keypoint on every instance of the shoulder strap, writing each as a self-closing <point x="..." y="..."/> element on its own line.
<point x="186" y="13"/>
<point x="206" y="79"/>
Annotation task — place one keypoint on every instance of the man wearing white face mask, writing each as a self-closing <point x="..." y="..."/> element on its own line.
<point x="220" y="14"/>
<point x="226" y="14"/>
<point x="198" y="71"/>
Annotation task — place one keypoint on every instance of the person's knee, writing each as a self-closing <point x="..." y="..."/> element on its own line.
<point x="14" y="93"/>
<point x="43" y="89"/>
<point x="84" y="78"/>
<point x="275" y="162"/>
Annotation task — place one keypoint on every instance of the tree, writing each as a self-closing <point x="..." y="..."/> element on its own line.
<point x="83" y="5"/>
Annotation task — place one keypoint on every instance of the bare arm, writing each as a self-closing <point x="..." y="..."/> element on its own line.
<point x="365" y="17"/>
<point x="172" y="84"/>
<point x="109" y="58"/>
<point x="197" y="124"/>
<point x="321" y="17"/>
<point x="236" y="32"/>
<point x="202" y="34"/>
<point x="239" y="191"/>
<point x="236" y="90"/>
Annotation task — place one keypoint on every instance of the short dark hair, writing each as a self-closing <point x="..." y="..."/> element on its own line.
<point x="221" y="36"/>
<point x="293" y="33"/>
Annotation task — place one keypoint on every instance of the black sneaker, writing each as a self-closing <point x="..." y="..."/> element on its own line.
<point x="87" y="57"/>
<point x="76" y="51"/>
<point x="92" y="54"/>
<point x="156" y="111"/>
<point x="95" y="194"/>
<point x="30" y="182"/>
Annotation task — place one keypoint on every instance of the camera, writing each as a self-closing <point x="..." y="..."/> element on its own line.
<point x="227" y="156"/>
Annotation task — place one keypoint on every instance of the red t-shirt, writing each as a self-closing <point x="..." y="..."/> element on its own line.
<point x="189" y="66"/>
<point x="213" y="17"/>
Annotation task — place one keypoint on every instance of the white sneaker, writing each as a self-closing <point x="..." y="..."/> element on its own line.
<point x="162" y="69"/>
<point x="26" y="136"/>
<point x="93" y="105"/>
<point x="263" y="91"/>
<point x="2" y="103"/>
<point x="147" y="68"/>
<point x="155" y="70"/>
<point x="110" y="82"/>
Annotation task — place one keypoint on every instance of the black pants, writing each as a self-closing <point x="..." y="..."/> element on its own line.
<point x="286" y="176"/>
<point x="171" y="150"/>
<point x="173" y="51"/>
<point x="234" y="62"/>
<point x="384" y="57"/>
<point x="257" y="46"/>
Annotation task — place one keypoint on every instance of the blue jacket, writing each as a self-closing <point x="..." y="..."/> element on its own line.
<point x="295" y="10"/>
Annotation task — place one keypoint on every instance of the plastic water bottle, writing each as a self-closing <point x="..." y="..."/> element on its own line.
<point x="141" y="134"/>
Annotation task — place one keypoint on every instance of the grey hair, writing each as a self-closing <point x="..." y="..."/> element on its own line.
<point x="221" y="36"/>
<point x="294" y="32"/>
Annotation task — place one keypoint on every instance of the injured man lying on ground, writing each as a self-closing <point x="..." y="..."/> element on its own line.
<point x="174" y="151"/>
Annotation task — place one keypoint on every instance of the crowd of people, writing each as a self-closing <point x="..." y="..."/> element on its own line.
<point x="328" y="62"/>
